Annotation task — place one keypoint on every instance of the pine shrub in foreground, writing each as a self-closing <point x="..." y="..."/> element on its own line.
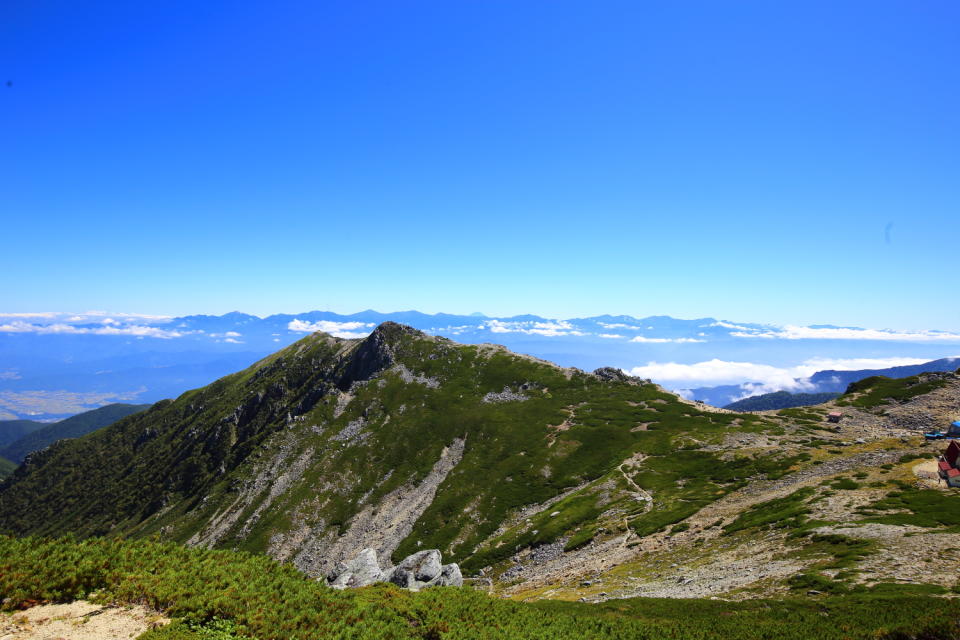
<point x="225" y="595"/>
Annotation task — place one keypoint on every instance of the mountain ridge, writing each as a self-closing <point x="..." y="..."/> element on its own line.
<point x="542" y="480"/>
<point x="315" y="402"/>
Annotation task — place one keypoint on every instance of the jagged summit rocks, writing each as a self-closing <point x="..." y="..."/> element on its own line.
<point x="416" y="571"/>
<point x="373" y="354"/>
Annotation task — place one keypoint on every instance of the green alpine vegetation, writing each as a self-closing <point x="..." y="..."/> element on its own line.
<point x="233" y="595"/>
<point x="788" y="512"/>
<point x="918" y="507"/>
<point x="72" y="427"/>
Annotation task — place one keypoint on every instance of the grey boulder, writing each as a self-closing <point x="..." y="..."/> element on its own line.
<point x="417" y="570"/>
<point x="362" y="570"/>
<point x="450" y="576"/>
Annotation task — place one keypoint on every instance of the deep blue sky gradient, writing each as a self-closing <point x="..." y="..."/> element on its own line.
<point x="743" y="160"/>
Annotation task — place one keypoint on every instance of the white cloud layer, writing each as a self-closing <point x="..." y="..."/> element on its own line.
<point x="711" y="373"/>
<point x="549" y="328"/>
<point x="793" y="332"/>
<point x="728" y="325"/>
<point x="618" y="325"/>
<point x="87" y="316"/>
<point x="38" y="314"/>
<point x="645" y="339"/>
<point x="346" y="330"/>
<point x="139" y="331"/>
<point x="453" y="330"/>
<point x="762" y="378"/>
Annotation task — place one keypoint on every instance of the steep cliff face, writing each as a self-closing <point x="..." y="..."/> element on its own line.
<point x="398" y="442"/>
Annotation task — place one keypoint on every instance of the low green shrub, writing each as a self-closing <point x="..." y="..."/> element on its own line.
<point x="845" y="484"/>
<point x="787" y="512"/>
<point x="919" y="507"/>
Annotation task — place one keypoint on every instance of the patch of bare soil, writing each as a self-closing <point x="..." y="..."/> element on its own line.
<point x="927" y="475"/>
<point x="79" y="620"/>
<point x="908" y="554"/>
<point x="693" y="577"/>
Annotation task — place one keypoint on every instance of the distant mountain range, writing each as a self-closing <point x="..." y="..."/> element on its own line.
<point x="55" y="365"/>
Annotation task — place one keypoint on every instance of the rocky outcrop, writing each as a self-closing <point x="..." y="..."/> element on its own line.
<point x="417" y="571"/>
<point x="507" y="395"/>
<point x="610" y="373"/>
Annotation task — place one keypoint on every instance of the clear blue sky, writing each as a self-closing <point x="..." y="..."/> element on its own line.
<point x="762" y="161"/>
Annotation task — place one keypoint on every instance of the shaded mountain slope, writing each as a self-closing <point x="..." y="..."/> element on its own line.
<point x="13" y="430"/>
<point x="780" y="400"/>
<point x="73" y="427"/>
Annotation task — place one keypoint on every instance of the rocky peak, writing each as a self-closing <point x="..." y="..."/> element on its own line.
<point x="392" y="331"/>
<point x="373" y="354"/>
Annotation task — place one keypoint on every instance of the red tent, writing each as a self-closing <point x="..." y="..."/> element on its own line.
<point x="951" y="453"/>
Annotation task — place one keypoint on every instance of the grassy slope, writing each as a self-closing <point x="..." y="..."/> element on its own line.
<point x="72" y="427"/>
<point x="152" y="470"/>
<point x="224" y="595"/>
